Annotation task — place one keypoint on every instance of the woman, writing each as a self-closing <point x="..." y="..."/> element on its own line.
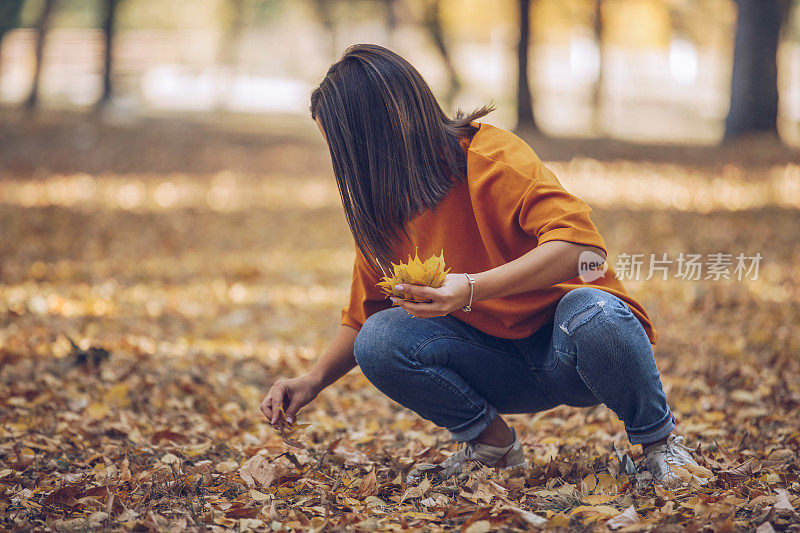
<point x="525" y="321"/>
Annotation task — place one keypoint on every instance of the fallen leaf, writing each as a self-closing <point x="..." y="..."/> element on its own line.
<point x="528" y="517"/>
<point x="738" y="473"/>
<point x="623" y="519"/>
<point x="782" y="501"/>
<point x="605" y="510"/>
<point x="258" y="496"/>
<point x="418" y="491"/>
<point x="598" y="499"/>
<point x="227" y="466"/>
<point x="170" y="459"/>
<point x="480" y="526"/>
<point x="369" y="485"/>
<point x="259" y="472"/>
<point x="98" y="411"/>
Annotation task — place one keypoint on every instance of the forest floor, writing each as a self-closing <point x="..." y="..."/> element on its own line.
<point x="157" y="276"/>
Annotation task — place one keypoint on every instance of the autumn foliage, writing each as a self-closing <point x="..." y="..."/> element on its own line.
<point x="145" y="310"/>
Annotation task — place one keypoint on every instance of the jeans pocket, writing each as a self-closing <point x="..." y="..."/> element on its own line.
<point x="536" y="349"/>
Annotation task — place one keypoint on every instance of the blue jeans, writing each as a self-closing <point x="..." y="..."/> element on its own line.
<point x="460" y="378"/>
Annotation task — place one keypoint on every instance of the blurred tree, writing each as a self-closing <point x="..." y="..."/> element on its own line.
<point x="525" y="120"/>
<point x="754" y="83"/>
<point x="109" y="29"/>
<point x="390" y="10"/>
<point x="432" y="20"/>
<point x="597" y="90"/>
<point x="324" y="11"/>
<point x="9" y="16"/>
<point x="42" y="27"/>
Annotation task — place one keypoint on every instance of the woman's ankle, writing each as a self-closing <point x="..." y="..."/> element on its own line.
<point x="496" y="434"/>
<point x="646" y="445"/>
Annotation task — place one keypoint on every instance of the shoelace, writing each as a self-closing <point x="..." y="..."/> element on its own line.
<point x="677" y="443"/>
<point x="670" y="450"/>
<point x="677" y="450"/>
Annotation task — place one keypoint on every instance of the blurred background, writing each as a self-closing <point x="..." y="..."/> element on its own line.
<point x="643" y="70"/>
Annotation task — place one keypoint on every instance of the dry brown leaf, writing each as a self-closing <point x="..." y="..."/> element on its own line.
<point x="369" y="485"/>
<point x="625" y="518"/>
<point x="766" y="527"/>
<point x="260" y="472"/>
<point x="418" y="491"/>
<point x="738" y="473"/>
<point x="479" y="526"/>
<point x="531" y="519"/>
<point x="699" y="471"/>
<point x="782" y="501"/>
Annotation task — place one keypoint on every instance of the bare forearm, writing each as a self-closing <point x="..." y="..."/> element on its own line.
<point x="337" y="360"/>
<point x="548" y="264"/>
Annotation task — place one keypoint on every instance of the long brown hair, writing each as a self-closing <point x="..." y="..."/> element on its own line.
<point x="394" y="151"/>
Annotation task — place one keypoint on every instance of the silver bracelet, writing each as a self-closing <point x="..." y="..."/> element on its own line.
<point x="467" y="308"/>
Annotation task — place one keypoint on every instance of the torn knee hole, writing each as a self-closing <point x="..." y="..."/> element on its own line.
<point x="569" y="326"/>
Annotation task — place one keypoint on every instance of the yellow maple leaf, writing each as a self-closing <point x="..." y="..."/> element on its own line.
<point x="430" y="273"/>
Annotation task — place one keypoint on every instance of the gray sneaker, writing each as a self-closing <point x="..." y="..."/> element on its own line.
<point x="492" y="456"/>
<point x="658" y="460"/>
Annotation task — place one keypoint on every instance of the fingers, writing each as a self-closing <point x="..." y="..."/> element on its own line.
<point x="270" y="406"/>
<point x="291" y="411"/>
<point x="419" y="292"/>
<point x="418" y="308"/>
<point x="422" y="310"/>
<point x="267" y="404"/>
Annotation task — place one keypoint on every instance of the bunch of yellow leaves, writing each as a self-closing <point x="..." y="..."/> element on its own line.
<point x="430" y="272"/>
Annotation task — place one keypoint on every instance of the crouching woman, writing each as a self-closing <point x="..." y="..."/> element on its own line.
<point x="517" y="326"/>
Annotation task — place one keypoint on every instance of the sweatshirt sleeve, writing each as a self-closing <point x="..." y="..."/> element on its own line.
<point x="365" y="297"/>
<point x="550" y="213"/>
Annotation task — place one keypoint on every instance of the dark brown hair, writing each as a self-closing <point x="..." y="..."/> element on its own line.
<point x="393" y="149"/>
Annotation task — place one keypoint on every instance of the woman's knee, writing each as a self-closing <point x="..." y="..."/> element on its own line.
<point x="579" y="306"/>
<point x="591" y="315"/>
<point x="377" y="341"/>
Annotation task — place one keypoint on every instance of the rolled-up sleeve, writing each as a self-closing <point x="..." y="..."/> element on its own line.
<point x="365" y="297"/>
<point x="550" y="213"/>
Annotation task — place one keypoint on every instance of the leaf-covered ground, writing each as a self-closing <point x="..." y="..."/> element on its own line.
<point x="144" y="312"/>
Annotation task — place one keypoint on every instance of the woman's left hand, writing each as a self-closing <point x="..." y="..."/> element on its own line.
<point x="451" y="296"/>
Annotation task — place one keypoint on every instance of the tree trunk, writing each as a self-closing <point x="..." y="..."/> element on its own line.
<point x="525" y="120"/>
<point x="109" y="17"/>
<point x="754" y="83"/>
<point x="597" y="92"/>
<point x="390" y="9"/>
<point x="433" y="22"/>
<point x="326" y="17"/>
<point x="42" y="27"/>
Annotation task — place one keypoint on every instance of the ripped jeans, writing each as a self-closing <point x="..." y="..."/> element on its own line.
<point x="595" y="351"/>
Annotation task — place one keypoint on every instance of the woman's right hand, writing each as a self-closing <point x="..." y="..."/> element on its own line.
<point x="292" y="394"/>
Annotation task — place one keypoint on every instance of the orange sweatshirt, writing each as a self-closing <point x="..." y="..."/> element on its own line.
<point x="508" y="204"/>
